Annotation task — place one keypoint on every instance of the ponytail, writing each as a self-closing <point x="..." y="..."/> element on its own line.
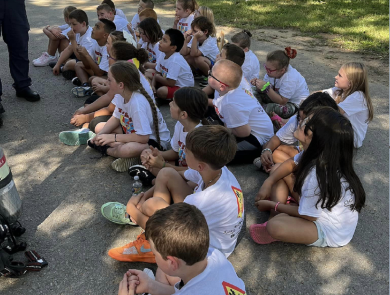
<point x="154" y="113"/>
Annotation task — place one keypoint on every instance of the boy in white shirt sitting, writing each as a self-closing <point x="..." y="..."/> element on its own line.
<point x="172" y="71"/>
<point x="143" y="4"/>
<point x="95" y="64"/>
<point x="79" y="35"/>
<point x="239" y="110"/>
<point x="179" y="238"/>
<point x="105" y="11"/>
<point x="217" y="193"/>
<point x="117" y="11"/>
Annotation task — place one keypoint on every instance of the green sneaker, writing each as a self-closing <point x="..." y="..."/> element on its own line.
<point x="116" y="212"/>
<point x="76" y="137"/>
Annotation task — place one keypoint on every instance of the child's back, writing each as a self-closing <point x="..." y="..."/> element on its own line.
<point x="223" y="206"/>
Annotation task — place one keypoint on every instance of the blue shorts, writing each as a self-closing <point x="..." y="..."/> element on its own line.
<point x="321" y="241"/>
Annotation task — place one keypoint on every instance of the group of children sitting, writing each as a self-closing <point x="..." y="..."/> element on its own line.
<point x="193" y="215"/>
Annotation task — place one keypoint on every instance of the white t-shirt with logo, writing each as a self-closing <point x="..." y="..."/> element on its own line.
<point x="136" y="117"/>
<point x="119" y="12"/>
<point x="291" y="85"/>
<point x="176" y="68"/>
<point x="64" y="30"/>
<point x="339" y="224"/>
<point x="251" y="66"/>
<point x="222" y="204"/>
<point x="121" y="23"/>
<point x="86" y="41"/>
<point x="152" y="50"/>
<point x="239" y="107"/>
<point x="209" y="48"/>
<point x="99" y="56"/>
<point x="184" y="24"/>
<point x="356" y="110"/>
<point x="286" y="133"/>
<point x="218" y="278"/>
<point x="178" y="142"/>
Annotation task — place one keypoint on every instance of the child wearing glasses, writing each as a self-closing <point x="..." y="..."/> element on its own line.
<point x="283" y="87"/>
<point x="329" y="193"/>
<point x="239" y="110"/>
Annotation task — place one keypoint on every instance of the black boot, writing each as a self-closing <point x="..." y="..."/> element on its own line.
<point x="28" y="94"/>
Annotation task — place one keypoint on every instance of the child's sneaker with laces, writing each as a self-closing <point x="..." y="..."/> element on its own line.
<point x="44" y="60"/>
<point x="123" y="164"/>
<point x="76" y="137"/>
<point x="136" y="251"/>
<point x="116" y="213"/>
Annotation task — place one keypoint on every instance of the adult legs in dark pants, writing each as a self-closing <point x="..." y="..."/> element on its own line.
<point x="14" y="27"/>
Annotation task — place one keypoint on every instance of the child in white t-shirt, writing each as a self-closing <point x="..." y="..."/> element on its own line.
<point x="143" y="4"/>
<point x="200" y="49"/>
<point x="352" y="96"/>
<point x="188" y="107"/>
<point x="172" y="71"/>
<point x="217" y="193"/>
<point x="150" y="33"/>
<point x="80" y="35"/>
<point x="179" y="239"/>
<point x="117" y="11"/>
<point x="282" y="145"/>
<point x="329" y="193"/>
<point x="95" y="64"/>
<point x="104" y="11"/>
<point x="239" y="110"/>
<point x="58" y="40"/>
<point x="184" y="14"/>
<point x="283" y="87"/>
<point x="136" y="122"/>
<point x="251" y="66"/>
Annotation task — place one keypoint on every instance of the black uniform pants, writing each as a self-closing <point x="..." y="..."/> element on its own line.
<point x="14" y="28"/>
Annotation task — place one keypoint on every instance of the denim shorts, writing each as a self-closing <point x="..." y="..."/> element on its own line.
<point x="321" y="242"/>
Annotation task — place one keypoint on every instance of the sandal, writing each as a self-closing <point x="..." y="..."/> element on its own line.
<point x="260" y="235"/>
<point x="82" y="91"/>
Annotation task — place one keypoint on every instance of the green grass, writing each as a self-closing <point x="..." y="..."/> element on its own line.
<point x="360" y="25"/>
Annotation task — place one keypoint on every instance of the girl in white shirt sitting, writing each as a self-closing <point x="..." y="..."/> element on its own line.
<point x="351" y="95"/>
<point x="330" y="194"/>
<point x="150" y="33"/>
<point x="136" y="123"/>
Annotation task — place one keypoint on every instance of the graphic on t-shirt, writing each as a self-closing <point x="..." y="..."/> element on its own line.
<point x="151" y="55"/>
<point x="98" y="57"/>
<point x="249" y="93"/>
<point x="182" y="27"/>
<point x="182" y="154"/>
<point x="217" y="111"/>
<point x="164" y="71"/>
<point x="231" y="289"/>
<point x="126" y="122"/>
<point x="240" y="200"/>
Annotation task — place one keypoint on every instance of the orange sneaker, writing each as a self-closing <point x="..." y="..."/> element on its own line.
<point x="136" y="251"/>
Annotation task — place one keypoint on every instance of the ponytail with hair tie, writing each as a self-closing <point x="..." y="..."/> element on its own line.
<point x="291" y="53"/>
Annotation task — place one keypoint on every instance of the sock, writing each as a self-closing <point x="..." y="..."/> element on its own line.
<point x="51" y="56"/>
<point x="84" y="130"/>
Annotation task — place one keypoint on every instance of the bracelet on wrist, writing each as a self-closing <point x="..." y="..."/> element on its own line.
<point x="265" y="150"/>
<point x="276" y="206"/>
<point x="265" y="88"/>
<point x="115" y="137"/>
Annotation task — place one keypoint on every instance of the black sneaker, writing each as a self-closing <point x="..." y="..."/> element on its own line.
<point x="52" y="64"/>
<point x="76" y="81"/>
<point x="145" y="176"/>
<point x="68" y="75"/>
<point x="100" y="148"/>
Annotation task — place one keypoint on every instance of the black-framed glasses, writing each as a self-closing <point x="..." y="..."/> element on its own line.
<point x="210" y="75"/>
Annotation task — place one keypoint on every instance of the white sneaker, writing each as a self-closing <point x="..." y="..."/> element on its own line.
<point x="44" y="60"/>
<point x="43" y="53"/>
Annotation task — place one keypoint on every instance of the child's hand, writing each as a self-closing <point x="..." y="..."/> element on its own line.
<point x="130" y="28"/>
<point x="82" y="50"/>
<point x="177" y="18"/>
<point x="56" y="70"/>
<point x="78" y="120"/>
<point x="198" y="35"/>
<point x="56" y="31"/>
<point x="266" y="159"/>
<point x="145" y="157"/>
<point x="71" y="35"/>
<point x="260" y="83"/>
<point x="141" y="280"/>
<point x="134" y="200"/>
<point x="103" y="139"/>
<point x="265" y="205"/>
<point x="126" y="287"/>
<point x="188" y="33"/>
<point x="253" y="81"/>
<point x="264" y="192"/>
<point x="156" y="161"/>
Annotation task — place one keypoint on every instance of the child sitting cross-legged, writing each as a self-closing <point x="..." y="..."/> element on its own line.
<point x="217" y="194"/>
<point x="188" y="107"/>
<point x="95" y="64"/>
<point x="172" y="70"/>
<point x="200" y="49"/>
<point x="79" y="36"/>
<point x="136" y="123"/>
<point x="239" y="111"/>
<point x="328" y="191"/>
<point x="179" y="239"/>
<point x="150" y="33"/>
<point x="58" y="40"/>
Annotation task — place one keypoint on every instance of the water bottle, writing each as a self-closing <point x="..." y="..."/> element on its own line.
<point x="10" y="202"/>
<point x="137" y="186"/>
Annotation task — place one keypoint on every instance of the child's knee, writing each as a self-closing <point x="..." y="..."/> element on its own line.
<point x="150" y="206"/>
<point x="162" y="92"/>
<point x="276" y="226"/>
<point x="166" y="174"/>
